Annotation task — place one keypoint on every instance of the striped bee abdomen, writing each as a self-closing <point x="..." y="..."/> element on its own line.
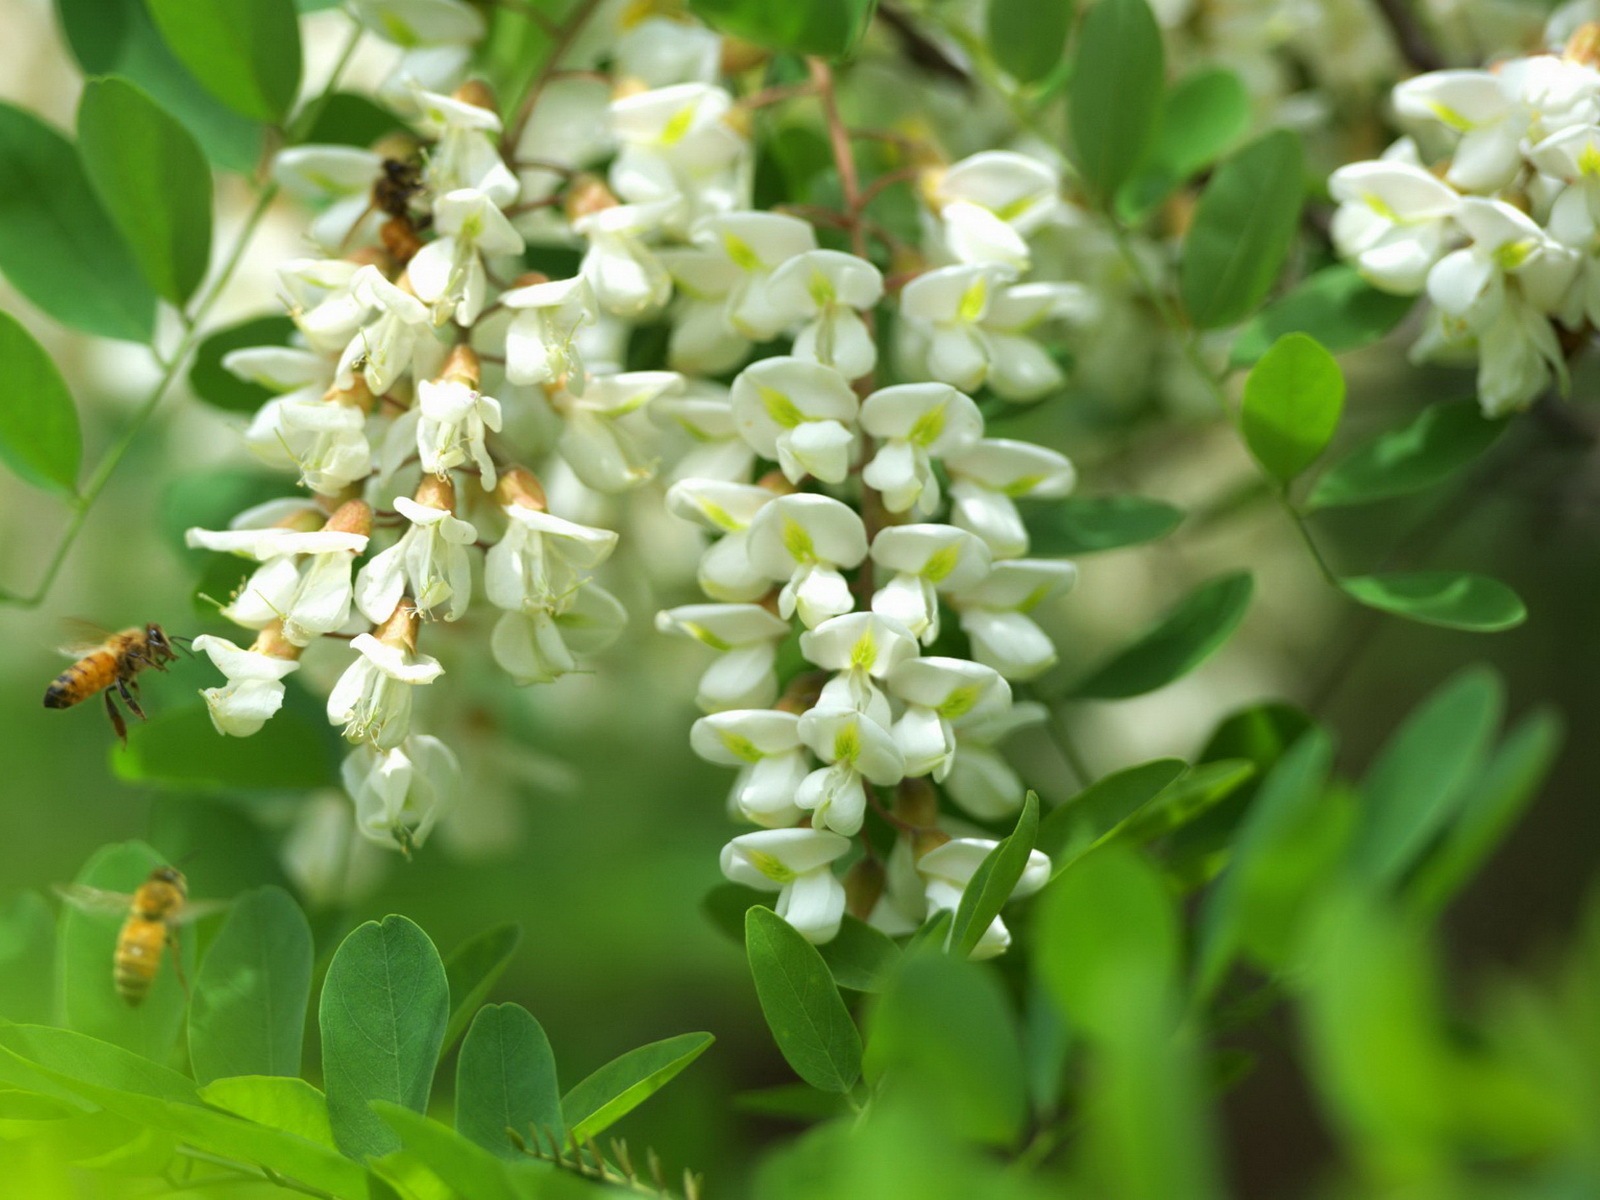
<point x="138" y="957"/>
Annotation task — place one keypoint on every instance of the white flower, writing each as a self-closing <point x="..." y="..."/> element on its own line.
<point x="539" y="340"/>
<point x="543" y="561"/>
<point x="429" y="562"/>
<point x="938" y="692"/>
<point x="746" y="637"/>
<point x="336" y="179"/>
<point x="765" y="745"/>
<point x="541" y="645"/>
<point x="321" y="301"/>
<point x="412" y="23"/>
<point x="400" y="340"/>
<point x="757" y="243"/>
<point x="702" y="342"/>
<point x="676" y="143"/>
<point x="916" y="423"/>
<point x="1573" y="156"/>
<point x="304" y="579"/>
<point x="448" y="273"/>
<point x="804" y="540"/>
<point x="372" y="699"/>
<point x="800" y="414"/>
<point x="948" y="869"/>
<point x="627" y="277"/>
<point x="994" y="615"/>
<point x="704" y="411"/>
<point x="325" y="440"/>
<point x="400" y="793"/>
<point x="986" y="476"/>
<point x="859" y="751"/>
<point x="725" y="571"/>
<point x="991" y="201"/>
<point x="860" y="648"/>
<point x="254" y="691"/>
<point x="797" y="864"/>
<point x="980" y="779"/>
<point x="663" y="50"/>
<point x="1393" y="222"/>
<point x="946" y="308"/>
<point x="825" y="291"/>
<point x="1019" y="368"/>
<point x="455" y="418"/>
<point x="598" y="440"/>
<point x="464" y="155"/>
<point x="926" y="560"/>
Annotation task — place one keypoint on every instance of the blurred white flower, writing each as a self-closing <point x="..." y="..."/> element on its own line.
<point x="400" y="793"/>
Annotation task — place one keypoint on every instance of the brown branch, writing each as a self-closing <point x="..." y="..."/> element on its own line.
<point x="1409" y="37"/>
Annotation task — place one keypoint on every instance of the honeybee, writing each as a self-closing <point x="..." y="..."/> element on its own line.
<point x="151" y="918"/>
<point x="109" y="663"/>
<point x="392" y="195"/>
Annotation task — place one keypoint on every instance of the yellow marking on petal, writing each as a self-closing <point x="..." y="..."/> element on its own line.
<point x="847" y="744"/>
<point x="797" y="541"/>
<point x="701" y="634"/>
<point x="397" y="31"/>
<point x="672" y="133"/>
<point x="740" y="252"/>
<point x="779" y="407"/>
<point x="1382" y="207"/>
<point x="1021" y="487"/>
<point x="1034" y="598"/>
<point x="740" y="746"/>
<point x="1450" y="116"/>
<point x="821" y="289"/>
<point x="865" y="652"/>
<point x="959" y="702"/>
<point x="1589" y="160"/>
<point x="1010" y="212"/>
<point x="940" y="563"/>
<point x="973" y="301"/>
<point x="1513" y="254"/>
<point x="929" y="426"/>
<point x="694" y="431"/>
<point x="770" y="866"/>
<point x="720" y="517"/>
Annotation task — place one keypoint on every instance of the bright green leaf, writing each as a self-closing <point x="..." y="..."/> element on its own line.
<point x="1293" y="399"/>
<point x="859" y="956"/>
<point x="1453" y="599"/>
<point x="506" y="1078"/>
<point x="152" y="179"/>
<point x="179" y="747"/>
<point x="472" y="969"/>
<point x="1242" y="230"/>
<point x="1115" y="97"/>
<point x="465" y="1169"/>
<point x="246" y="52"/>
<point x="1202" y="115"/>
<point x="993" y="882"/>
<point x="1439" y="441"/>
<point x="1028" y="37"/>
<point x="248" y="1013"/>
<point x="27" y="959"/>
<point x="1105" y="803"/>
<point x="1335" y="306"/>
<point x="801" y="1003"/>
<point x="829" y="28"/>
<point x="1087" y="524"/>
<point x="1183" y="639"/>
<point x="39" y="435"/>
<point x="276" y="1101"/>
<point x="616" y="1089"/>
<point x="384" y="1006"/>
<point x="220" y="387"/>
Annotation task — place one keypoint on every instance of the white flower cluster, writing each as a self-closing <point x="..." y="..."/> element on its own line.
<point x="1491" y="206"/>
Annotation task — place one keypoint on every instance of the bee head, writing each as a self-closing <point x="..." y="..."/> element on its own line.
<point x="169" y="875"/>
<point x="159" y="642"/>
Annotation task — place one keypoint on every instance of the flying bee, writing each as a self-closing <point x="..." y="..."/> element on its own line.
<point x="393" y="192"/>
<point x="110" y="663"/>
<point x="151" y="919"/>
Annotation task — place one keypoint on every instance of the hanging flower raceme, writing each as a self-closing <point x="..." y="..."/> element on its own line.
<point x="800" y="414"/>
<point x="372" y="700"/>
<point x="429" y="561"/>
<point x="804" y="541"/>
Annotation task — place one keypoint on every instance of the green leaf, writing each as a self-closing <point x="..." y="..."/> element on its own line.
<point x="246" y="52"/>
<point x="1293" y="399"/>
<point x="1242" y="230"/>
<point x="152" y="179"/>
<point x="180" y="748"/>
<point x="1104" y="804"/>
<point x="993" y="882"/>
<point x="829" y="28"/>
<point x="87" y="942"/>
<point x="276" y="1101"/>
<point x="801" y="1003"/>
<point x="248" y="1014"/>
<point x="859" y="956"/>
<point x="117" y="37"/>
<point x="1202" y="788"/>
<point x="792" y="1102"/>
<point x="79" y="1057"/>
<point x="472" y="969"/>
<point x="1491" y="805"/>
<point x="943" y="1033"/>
<point x="1088" y="524"/>
<point x="624" y="1083"/>
<point x="1453" y="599"/>
<point x="1417" y="783"/>
<point x="465" y="1169"/>
<point x="1028" y="37"/>
<point x="27" y="959"/>
<point x="351" y="119"/>
<point x="220" y="387"/>
<point x="1115" y="96"/>
<point x="1439" y="441"/>
<point x="506" y="1078"/>
<point x="57" y="245"/>
<point x="1334" y="305"/>
<point x="39" y="435"/>
<point x="384" y="1007"/>
<point x="1184" y="639"/>
<point x="1202" y="115"/>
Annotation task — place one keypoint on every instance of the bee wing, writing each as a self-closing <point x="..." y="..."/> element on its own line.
<point x="199" y="910"/>
<point x="94" y="900"/>
<point x="82" y="636"/>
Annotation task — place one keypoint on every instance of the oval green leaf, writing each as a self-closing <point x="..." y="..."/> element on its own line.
<point x="246" y="52"/>
<point x="1202" y="115"/>
<point x="1183" y="639"/>
<point x="384" y="1007"/>
<point x="1242" y="231"/>
<point x="1427" y="450"/>
<point x="221" y="388"/>
<point x="829" y="28"/>
<point x="1089" y="524"/>
<point x="39" y="435"/>
<point x="802" y="1005"/>
<point x="624" y="1083"/>
<point x="506" y="1079"/>
<point x="1028" y="37"/>
<point x="276" y="1101"/>
<point x="1100" y="807"/>
<point x="248" y="1014"/>
<point x="1115" y="96"/>
<point x="1335" y="306"/>
<point x="993" y="882"/>
<point x="1452" y="599"/>
<point x="472" y="969"/>
<point x="1293" y="399"/>
<point x="859" y="956"/>
<point x="152" y="179"/>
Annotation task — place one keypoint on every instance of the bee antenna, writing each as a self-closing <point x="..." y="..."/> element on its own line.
<point x="182" y="643"/>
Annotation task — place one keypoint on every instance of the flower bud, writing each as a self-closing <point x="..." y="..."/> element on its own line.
<point x="462" y="366"/>
<point x="436" y="492"/>
<point x="478" y="94"/>
<point x="529" y="279"/>
<point x="1584" y="44"/>
<point x="520" y="487"/>
<point x="353" y="516"/>
<point x="803" y="692"/>
<point x="400" y="630"/>
<point x="271" y="642"/>
<point x="357" y="395"/>
<point x="588" y="195"/>
<point x="306" y="520"/>
<point x="739" y="55"/>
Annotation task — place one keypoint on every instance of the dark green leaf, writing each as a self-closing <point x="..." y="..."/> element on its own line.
<point x="27" y="959"/>
<point x="829" y="28"/>
<point x="506" y="1079"/>
<point x="1335" y="306"/>
<point x="624" y="1083"/>
<point x="1202" y="115"/>
<point x="246" y="52"/>
<point x="1242" y="230"/>
<point x="210" y="499"/>
<point x="1028" y="37"/>
<point x="1442" y="439"/>
<point x="384" y="1007"/>
<point x="1200" y="790"/>
<point x="350" y="119"/>
<point x="472" y="969"/>
<point x="1103" y="805"/>
<point x="57" y="245"/>
<point x="792" y="1102"/>
<point x="152" y="179"/>
<point x="39" y="435"/>
<point x="1453" y="599"/>
<point x="995" y="879"/>
<point x="859" y="956"/>
<point x="221" y="388"/>
<point x="1417" y="783"/>
<point x="180" y="748"/>
<point x="1292" y="402"/>
<point x="801" y="1003"/>
<point x="1115" y="97"/>
<point x="276" y="1101"/>
<point x="1183" y="639"/>
<point x="248" y="1014"/>
<point x="1087" y="524"/>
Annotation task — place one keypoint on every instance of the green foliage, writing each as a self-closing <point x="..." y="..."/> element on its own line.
<point x="179" y="748"/>
<point x="1202" y="115"/>
<point x="1292" y="402"/>
<point x="383" y="1011"/>
<point x="245" y="52"/>
<point x="152" y="179"/>
<point x="1116" y="93"/>
<point x="829" y="28"/>
<point x="39" y="435"/>
<point x="472" y="970"/>
<point x="276" y="1101"/>
<point x="610" y="1093"/>
<point x="1179" y="643"/>
<point x="27" y="959"/>
<point x="1453" y="599"/>
<point x="1242" y="231"/>
<point x="223" y="389"/>
<point x="1442" y="439"/>
<point x="506" y="1079"/>
<point x="801" y="1003"/>
<point x="1334" y="305"/>
<point x="995" y="879"/>
<point x="1099" y="808"/>
<point x="859" y="957"/>
<point x="1087" y="524"/>
<point x="57" y="245"/>
<point x="1029" y="37"/>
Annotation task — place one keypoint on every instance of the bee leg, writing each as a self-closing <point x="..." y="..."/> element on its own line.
<point x="130" y="699"/>
<point x="118" y="725"/>
<point x="177" y="962"/>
